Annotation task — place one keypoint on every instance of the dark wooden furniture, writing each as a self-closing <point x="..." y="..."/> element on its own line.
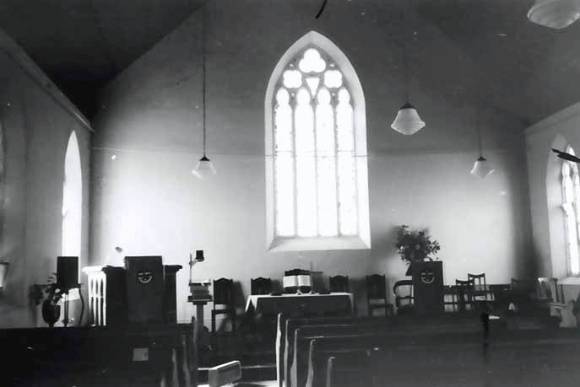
<point x="110" y="287"/>
<point x="480" y="290"/>
<point x="135" y="355"/>
<point x="301" y="305"/>
<point x="403" y="291"/>
<point x="338" y="283"/>
<point x="549" y="290"/>
<point x="223" y="301"/>
<point x="427" y="286"/>
<point x="377" y="293"/>
<point x="450" y="299"/>
<point x="260" y="285"/>
<point x="464" y="295"/>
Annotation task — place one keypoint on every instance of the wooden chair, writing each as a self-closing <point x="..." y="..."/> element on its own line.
<point x="260" y="285"/>
<point x="223" y="295"/>
<point x="480" y="290"/>
<point x="464" y="295"/>
<point x="377" y="293"/>
<point x="450" y="299"/>
<point x="338" y="283"/>
<point x="404" y="299"/>
<point x="549" y="291"/>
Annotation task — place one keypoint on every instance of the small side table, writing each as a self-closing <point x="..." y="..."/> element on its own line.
<point x="199" y="307"/>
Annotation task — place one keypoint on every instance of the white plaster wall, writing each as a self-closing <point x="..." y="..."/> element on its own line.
<point x="36" y="131"/>
<point x="147" y="202"/>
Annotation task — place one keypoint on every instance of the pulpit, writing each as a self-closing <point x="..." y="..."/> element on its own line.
<point x="427" y="280"/>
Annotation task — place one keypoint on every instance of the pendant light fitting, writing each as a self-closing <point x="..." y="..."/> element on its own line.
<point x="204" y="167"/>
<point x="407" y="120"/>
<point x="481" y="167"/>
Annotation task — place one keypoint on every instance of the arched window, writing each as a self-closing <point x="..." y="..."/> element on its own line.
<point x="571" y="208"/>
<point x="72" y="198"/>
<point x="317" y="192"/>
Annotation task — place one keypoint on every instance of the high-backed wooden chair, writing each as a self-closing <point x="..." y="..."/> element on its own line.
<point x="261" y="285"/>
<point x="338" y="283"/>
<point x="450" y="299"/>
<point x="480" y="290"/>
<point x="404" y="299"/>
<point x="377" y="293"/>
<point x="549" y="291"/>
<point x="464" y="295"/>
<point x="223" y="301"/>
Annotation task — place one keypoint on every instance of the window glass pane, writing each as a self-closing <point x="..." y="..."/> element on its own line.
<point x="284" y="177"/>
<point x="326" y="166"/>
<point x="344" y="122"/>
<point x="283" y="122"/>
<point x="332" y="78"/>
<point x="572" y="231"/>
<point x="305" y="165"/>
<point x="315" y="176"/>
<point x="292" y="79"/>
<point x="570" y="199"/>
<point x="347" y="193"/>
<point x="313" y="83"/>
<point x="284" y="165"/>
<point x="312" y="62"/>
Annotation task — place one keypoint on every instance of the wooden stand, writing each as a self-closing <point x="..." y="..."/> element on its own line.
<point x="427" y="286"/>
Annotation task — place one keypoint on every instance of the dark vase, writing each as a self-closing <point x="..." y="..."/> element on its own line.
<point x="50" y="312"/>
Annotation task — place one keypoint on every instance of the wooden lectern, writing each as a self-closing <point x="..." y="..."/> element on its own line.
<point x="427" y="279"/>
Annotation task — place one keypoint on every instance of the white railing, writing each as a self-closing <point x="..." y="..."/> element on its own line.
<point x="97" y="292"/>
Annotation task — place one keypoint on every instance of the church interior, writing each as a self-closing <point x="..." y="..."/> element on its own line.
<point x="290" y="192"/>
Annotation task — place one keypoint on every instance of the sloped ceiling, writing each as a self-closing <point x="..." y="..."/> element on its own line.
<point x="81" y="44"/>
<point x="494" y="52"/>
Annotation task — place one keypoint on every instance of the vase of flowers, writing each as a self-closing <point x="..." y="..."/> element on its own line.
<point x="416" y="245"/>
<point x="49" y="296"/>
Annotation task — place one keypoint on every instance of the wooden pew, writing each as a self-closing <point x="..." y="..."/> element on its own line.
<point x="534" y="358"/>
<point x="349" y="368"/>
<point x="284" y="337"/>
<point x="304" y="336"/>
<point x="323" y="348"/>
<point x="99" y="356"/>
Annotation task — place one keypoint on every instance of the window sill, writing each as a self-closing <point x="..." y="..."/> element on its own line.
<point x="319" y="243"/>
<point x="569" y="281"/>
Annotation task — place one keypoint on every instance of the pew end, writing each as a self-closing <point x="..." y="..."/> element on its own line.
<point x="224" y="374"/>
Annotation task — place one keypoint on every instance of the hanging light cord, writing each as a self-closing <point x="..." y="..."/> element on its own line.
<point x="203" y="79"/>
<point x="478" y="128"/>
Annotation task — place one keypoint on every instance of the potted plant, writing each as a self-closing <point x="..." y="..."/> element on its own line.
<point x="49" y="296"/>
<point x="416" y="245"/>
<point x="419" y="251"/>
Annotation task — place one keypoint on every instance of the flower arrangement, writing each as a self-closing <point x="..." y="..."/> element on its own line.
<point x="49" y="292"/>
<point x="415" y="245"/>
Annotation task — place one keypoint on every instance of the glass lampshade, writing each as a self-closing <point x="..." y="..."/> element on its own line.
<point x="555" y="14"/>
<point x="204" y="168"/>
<point x="407" y="121"/>
<point x="481" y="168"/>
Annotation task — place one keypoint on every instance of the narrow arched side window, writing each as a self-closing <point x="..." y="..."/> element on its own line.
<point x="72" y="198"/>
<point x="571" y="208"/>
<point x="317" y="184"/>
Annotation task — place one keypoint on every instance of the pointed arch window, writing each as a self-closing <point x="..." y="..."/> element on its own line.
<point x="317" y="192"/>
<point x="571" y="208"/>
<point x="72" y="197"/>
